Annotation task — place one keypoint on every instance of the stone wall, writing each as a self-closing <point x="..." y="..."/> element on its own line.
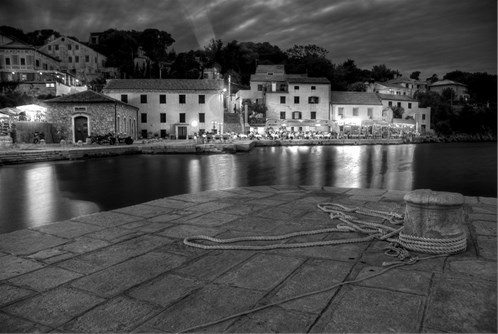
<point x="101" y="118"/>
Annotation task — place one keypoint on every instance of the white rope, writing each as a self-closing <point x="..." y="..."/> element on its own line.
<point x="347" y="223"/>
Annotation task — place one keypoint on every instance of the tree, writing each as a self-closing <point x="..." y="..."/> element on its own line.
<point x="382" y="73"/>
<point x="40" y="37"/>
<point x="310" y="59"/>
<point x="415" y="75"/>
<point x="14" y="32"/>
<point x="155" y="43"/>
<point x="433" y="78"/>
<point x="398" y="112"/>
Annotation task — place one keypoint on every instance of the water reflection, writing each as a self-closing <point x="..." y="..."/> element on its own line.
<point x="34" y="194"/>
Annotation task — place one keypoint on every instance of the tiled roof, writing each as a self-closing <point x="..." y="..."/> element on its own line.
<point x="268" y="78"/>
<point x="164" y="84"/>
<point x="389" y="84"/>
<point x="290" y="78"/>
<point x="396" y="97"/>
<point x="88" y="96"/>
<point x="446" y="83"/>
<point x="280" y="69"/>
<point x="296" y="79"/>
<point x="338" y="97"/>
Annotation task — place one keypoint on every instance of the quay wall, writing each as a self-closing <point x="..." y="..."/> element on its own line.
<point x="38" y="153"/>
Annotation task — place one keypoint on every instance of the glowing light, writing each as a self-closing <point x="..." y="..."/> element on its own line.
<point x="194" y="123"/>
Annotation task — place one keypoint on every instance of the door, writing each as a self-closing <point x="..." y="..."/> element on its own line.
<point x="182" y="132"/>
<point x="80" y="128"/>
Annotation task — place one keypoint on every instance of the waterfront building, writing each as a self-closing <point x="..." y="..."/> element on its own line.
<point x="351" y="111"/>
<point x="175" y="108"/>
<point x="459" y="89"/>
<point x="293" y="101"/>
<point x="28" y="70"/>
<point x="410" y="111"/>
<point x="77" y="116"/>
<point x="76" y="58"/>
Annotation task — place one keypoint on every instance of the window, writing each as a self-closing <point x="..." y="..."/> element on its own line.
<point x="37" y="62"/>
<point x="355" y="111"/>
<point x="390" y="103"/>
<point x="15" y="60"/>
<point x="124" y="98"/>
<point x="370" y="112"/>
<point x="23" y="61"/>
<point x="399" y="104"/>
<point x="313" y="100"/>
<point x="76" y="59"/>
<point x="202" y="99"/>
<point x="313" y="87"/>
<point x="282" y="99"/>
<point x="162" y="117"/>
<point x="313" y="115"/>
<point x="296" y="99"/>
<point x="163" y="133"/>
<point x="56" y="47"/>
<point x="69" y="59"/>
<point x="7" y="61"/>
<point x="260" y="88"/>
<point x="143" y="98"/>
<point x="182" y="117"/>
<point x="87" y="59"/>
<point x="143" y="117"/>
<point x="144" y="133"/>
<point x="202" y="117"/>
<point x="423" y="116"/>
<point x="340" y="111"/>
<point x="69" y="47"/>
<point x="77" y="47"/>
<point x="409" y="105"/>
<point x="282" y="115"/>
<point x="162" y="98"/>
<point x="296" y="87"/>
<point x="296" y="115"/>
<point x="50" y="48"/>
<point x="182" y="98"/>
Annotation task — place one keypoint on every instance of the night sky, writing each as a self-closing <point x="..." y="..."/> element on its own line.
<point x="431" y="36"/>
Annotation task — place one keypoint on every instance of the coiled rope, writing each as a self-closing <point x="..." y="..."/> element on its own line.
<point x="347" y="223"/>
<point x="398" y="246"/>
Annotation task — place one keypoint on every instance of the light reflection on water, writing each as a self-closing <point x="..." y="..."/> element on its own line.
<point x="34" y="194"/>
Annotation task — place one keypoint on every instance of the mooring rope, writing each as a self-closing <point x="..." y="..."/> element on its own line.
<point x="347" y="223"/>
<point x="399" y="245"/>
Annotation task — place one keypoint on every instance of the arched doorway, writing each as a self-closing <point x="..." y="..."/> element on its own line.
<point x="80" y="128"/>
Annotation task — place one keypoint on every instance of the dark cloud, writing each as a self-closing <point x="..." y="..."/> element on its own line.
<point x="424" y="35"/>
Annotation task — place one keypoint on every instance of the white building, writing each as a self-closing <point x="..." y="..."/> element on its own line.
<point x="294" y="101"/>
<point x="76" y="58"/>
<point x="411" y="110"/>
<point x="172" y="107"/>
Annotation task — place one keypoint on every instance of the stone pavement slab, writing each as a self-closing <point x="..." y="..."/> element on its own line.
<point x="128" y="270"/>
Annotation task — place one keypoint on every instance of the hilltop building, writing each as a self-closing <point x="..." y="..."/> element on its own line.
<point x="460" y="90"/>
<point x="29" y="70"/>
<point x="76" y="58"/>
